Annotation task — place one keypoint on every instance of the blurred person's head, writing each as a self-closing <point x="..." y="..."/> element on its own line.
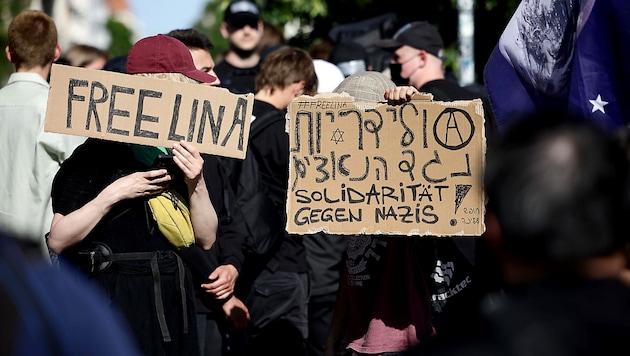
<point x="350" y="56"/>
<point x="272" y="37"/>
<point x="86" y="56"/>
<point x="165" y="57"/>
<point x="200" y="48"/>
<point x="117" y="64"/>
<point x="242" y="27"/>
<point x="321" y="49"/>
<point x="285" y="74"/>
<point x="328" y="75"/>
<point x="32" y="40"/>
<point x="417" y="53"/>
<point x="557" y="191"/>
<point x="368" y="86"/>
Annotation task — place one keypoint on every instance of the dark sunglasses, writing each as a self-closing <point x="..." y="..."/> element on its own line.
<point x="238" y="24"/>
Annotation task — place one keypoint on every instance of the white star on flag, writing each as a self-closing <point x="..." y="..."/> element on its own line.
<point x="598" y="104"/>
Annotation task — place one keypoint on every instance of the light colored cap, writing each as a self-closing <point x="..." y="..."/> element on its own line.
<point x="368" y="86"/>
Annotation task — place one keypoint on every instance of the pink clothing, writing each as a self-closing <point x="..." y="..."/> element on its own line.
<point x="387" y="294"/>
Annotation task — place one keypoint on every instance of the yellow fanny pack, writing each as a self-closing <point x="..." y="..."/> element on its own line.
<point x="173" y="218"/>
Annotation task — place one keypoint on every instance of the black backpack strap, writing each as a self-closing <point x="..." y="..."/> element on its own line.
<point x="262" y="122"/>
<point x="262" y="251"/>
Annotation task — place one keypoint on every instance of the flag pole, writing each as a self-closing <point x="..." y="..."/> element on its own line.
<point x="466" y="42"/>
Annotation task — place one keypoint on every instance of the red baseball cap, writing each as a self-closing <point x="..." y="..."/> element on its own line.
<point x="164" y="54"/>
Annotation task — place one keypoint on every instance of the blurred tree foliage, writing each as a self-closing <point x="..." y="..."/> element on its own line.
<point x="122" y="38"/>
<point x="310" y="21"/>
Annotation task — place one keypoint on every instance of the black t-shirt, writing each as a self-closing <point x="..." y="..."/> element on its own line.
<point x="94" y="165"/>
<point x="237" y="80"/>
<point x="129" y="227"/>
<point x="231" y="233"/>
<point x="271" y="149"/>
<point x="325" y="256"/>
<point x="472" y="267"/>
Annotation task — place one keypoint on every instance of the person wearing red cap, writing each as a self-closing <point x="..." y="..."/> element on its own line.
<point x="200" y="48"/>
<point x="104" y="226"/>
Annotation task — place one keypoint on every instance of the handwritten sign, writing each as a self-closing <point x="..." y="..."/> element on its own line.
<point x="410" y="169"/>
<point x="147" y="111"/>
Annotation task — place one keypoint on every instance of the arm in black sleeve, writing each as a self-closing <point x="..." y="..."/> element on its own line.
<point x="232" y="231"/>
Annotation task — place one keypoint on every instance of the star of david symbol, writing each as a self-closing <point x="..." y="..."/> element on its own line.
<point x="337" y="136"/>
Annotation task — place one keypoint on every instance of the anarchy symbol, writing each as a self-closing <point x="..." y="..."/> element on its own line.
<point x="455" y="124"/>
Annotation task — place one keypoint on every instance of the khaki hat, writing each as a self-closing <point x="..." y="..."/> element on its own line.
<point x="368" y="86"/>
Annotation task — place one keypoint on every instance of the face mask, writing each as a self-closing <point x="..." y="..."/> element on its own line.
<point x="394" y="70"/>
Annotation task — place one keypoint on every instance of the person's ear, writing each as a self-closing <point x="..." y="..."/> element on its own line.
<point x="224" y="30"/>
<point x="261" y="26"/>
<point x="298" y="88"/>
<point x="424" y="57"/>
<point x="57" y="53"/>
<point x="7" y="51"/>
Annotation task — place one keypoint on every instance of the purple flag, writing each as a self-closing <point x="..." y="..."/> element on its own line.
<point x="569" y="55"/>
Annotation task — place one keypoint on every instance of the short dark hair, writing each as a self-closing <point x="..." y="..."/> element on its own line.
<point x="559" y="188"/>
<point x="192" y="38"/>
<point x="284" y="66"/>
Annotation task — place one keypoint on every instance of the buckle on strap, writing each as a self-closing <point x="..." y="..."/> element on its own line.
<point x="98" y="256"/>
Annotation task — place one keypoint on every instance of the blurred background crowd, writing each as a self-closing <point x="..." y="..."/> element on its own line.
<point x="114" y="25"/>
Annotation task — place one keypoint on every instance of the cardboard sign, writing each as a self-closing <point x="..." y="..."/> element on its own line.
<point x="147" y="111"/>
<point x="410" y="169"/>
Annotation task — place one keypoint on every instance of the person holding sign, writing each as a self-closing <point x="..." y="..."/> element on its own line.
<point x="105" y="221"/>
<point x="383" y="302"/>
<point x="418" y="59"/>
<point x="418" y="54"/>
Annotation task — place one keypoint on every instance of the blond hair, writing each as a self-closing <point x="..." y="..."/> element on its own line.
<point x="174" y="77"/>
